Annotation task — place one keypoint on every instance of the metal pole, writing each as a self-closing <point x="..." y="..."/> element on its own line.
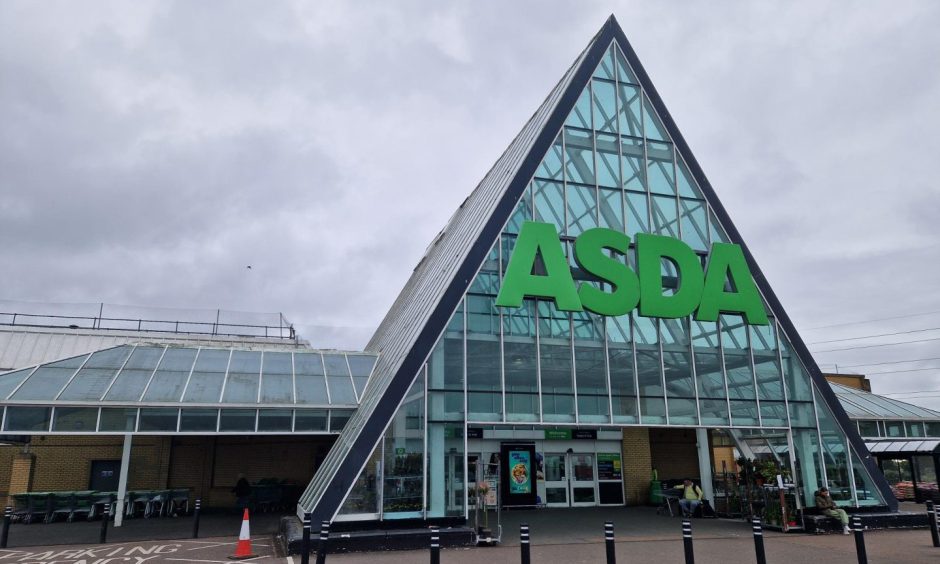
<point x="305" y="543"/>
<point x="435" y="546"/>
<point x="687" y="541"/>
<point x="931" y="517"/>
<point x="103" y="536"/>
<point x="524" y="543"/>
<point x="758" y="540"/>
<point x="859" y="540"/>
<point x="7" y="516"/>
<point x="609" y="542"/>
<point x="196" y="512"/>
<point x="321" y="546"/>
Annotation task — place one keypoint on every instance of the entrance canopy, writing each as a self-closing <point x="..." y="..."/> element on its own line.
<point x="162" y="389"/>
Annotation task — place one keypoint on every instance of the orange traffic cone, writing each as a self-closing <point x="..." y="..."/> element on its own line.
<point x="243" y="549"/>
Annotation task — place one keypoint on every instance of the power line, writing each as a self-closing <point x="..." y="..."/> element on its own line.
<point x="878" y="335"/>
<point x="879" y="363"/>
<point x="909" y="370"/>
<point x="916" y="392"/>
<point x="877" y="345"/>
<point x="873" y="320"/>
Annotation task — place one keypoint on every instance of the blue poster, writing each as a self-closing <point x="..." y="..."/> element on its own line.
<point x="520" y="472"/>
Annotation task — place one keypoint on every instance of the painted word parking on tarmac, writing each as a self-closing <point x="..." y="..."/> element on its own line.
<point x="154" y="552"/>
<point x="103" y="555"/>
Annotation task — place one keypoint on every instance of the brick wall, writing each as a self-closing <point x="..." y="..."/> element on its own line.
<point x="637" y="465"/>
<point x="673" y="452"/>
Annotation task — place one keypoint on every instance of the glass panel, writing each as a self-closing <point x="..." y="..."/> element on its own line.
<point x="637" y="214"/>
<point x="311" y="383"/>
<point x="622" y="375"/>
<point x="483" y="379"/>
<point x="445" y="373"/>
<point x="482" y="315"/>
<point x="629" y="111"/>
<point x="403" y="481"/>
<point x="550" y="203"/>
<point x="274" y="420"/>
<point x="10" y="380"/>
<point x="694" y="223"/>
<point x="624" y="72"/>
<point x="241" y="386"/>
<point x="606" y="67"/>
<point x="361" y="366"/>
<point x="608" y="161"/>
<point x="582" y="209"/>
<point x="933" y="428"/>
<point x="665" y="216"/>
<point x="894" y="428"/>
<point x="660" y="173"/>
<point x="649" y="370"/>
<point x="27" y="418"/>
<point x="310" y="420"/>
<point x="170" y="378"/>
<point x="550" y="167"/>
<point x="130" y="383"/>
<point x="237" y="420"/>
<point x="92" y="380"/>
<point x="117" y="419"/>
<point x="925" y="472"/>
<point x="716" y="232"/>
<point x="868" y="428"/>
<point x="338" y="378"/>
<point x="521" y="381"/>
<point x="915" y="429"/>
<point x="579" y="156"/>
<point x="653" y="128"/>
<point x="363" y="498"/>
<point x="199" y="419"/>
<point x="611" y="209"/>
<point x="205" y="385"/>
<point x="867" y="491"/>
<point x="487" y="279"/>
<point x="75" y="419"/>
<point x="687" y="186"/>
<point x="898" y="473"/>
<point x="605" y="106"/>
<point x="47" y="380"/>
<point x="277" y="380"/>
<point x="580" y="116"/>
<point x="338" y="420"/>
<point x="158" y="419"/>
<point x="555" y="363"/>
<point x="591" y="368"/>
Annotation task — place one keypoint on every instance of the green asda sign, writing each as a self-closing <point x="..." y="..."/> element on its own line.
<point x="725" y="286"/>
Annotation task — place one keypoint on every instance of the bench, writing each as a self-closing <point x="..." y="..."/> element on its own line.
<point x="816" y="523"/>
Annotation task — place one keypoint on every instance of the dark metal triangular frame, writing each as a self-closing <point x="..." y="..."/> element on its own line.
<point x="333" y="496"/>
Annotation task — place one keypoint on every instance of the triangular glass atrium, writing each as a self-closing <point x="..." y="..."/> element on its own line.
<point x="601" y="151"/>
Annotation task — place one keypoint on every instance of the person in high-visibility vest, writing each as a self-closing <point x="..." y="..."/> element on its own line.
<point x="691" y="497"/>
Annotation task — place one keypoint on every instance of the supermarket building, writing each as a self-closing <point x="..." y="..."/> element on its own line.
<point x="589" y="314"/>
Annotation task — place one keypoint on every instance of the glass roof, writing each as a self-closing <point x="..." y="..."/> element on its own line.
<point x="860" y="404"/>
<point x="176" y="375"/>
<point x="903" y="446"/>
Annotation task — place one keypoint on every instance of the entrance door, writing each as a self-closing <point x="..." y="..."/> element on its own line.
<point x="570" y="480"/>
<point x="583" y="482"/>
<point x="898" y="473"/>
<point x="556" y="480"/>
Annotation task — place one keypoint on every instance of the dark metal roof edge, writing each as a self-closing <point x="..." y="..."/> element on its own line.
<point x="822" y="386"/>
<point x="326" y="507"/>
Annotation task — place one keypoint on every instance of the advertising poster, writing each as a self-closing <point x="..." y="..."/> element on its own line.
<point x="520" y="472"/>
<point x="608" y="466"/>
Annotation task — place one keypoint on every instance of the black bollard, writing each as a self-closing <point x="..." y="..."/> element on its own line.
<point x="305" y="542"/>
<point x="7" y="517"/>
<point x="321" y="546"/>
<point x="609" y="542"/>
<point x="103" y="536"/>
<point x="687" y="541"/>
<point x="524" y="543"/>
<point x="435" y="546"/>
<point x="758" y="540"/>
<point x="859" y="540"/>
<point x="931" y="518"/>
<point x="196" y="511"/>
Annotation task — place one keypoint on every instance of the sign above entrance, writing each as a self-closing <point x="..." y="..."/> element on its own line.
<point x="568" y="434"/>
<point x="538" y="268"/>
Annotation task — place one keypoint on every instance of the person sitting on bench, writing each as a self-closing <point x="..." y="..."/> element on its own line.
<point x="828" y="507"/>
<point x="690" y="498"/>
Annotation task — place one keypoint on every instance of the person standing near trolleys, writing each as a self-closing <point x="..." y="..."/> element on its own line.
<point x="691" y="497"/>
<point x="828" y="507"/>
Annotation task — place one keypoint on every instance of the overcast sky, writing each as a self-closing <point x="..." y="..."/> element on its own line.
<point x="151" y="151"/>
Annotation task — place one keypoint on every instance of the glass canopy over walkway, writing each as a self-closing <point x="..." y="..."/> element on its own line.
<point x="177" y="389"/>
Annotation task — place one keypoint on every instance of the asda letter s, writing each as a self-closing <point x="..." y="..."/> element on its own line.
<point x="725" y="286"/>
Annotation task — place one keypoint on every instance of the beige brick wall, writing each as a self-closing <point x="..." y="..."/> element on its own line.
<point x="637" y="465"/>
